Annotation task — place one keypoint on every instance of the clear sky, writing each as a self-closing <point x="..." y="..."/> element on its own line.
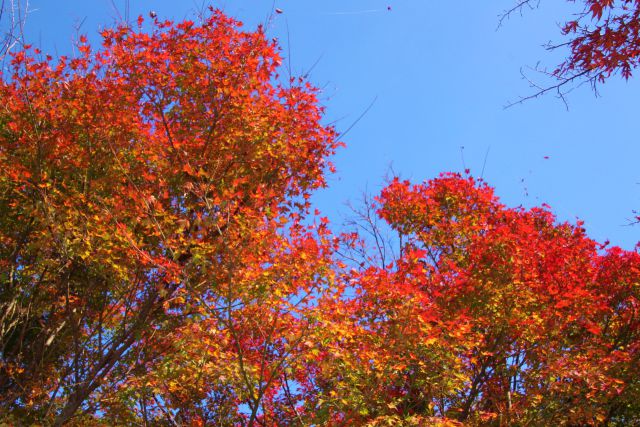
<point x="441" y="73"/>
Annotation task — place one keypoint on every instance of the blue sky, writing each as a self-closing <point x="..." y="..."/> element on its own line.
<point x="441" y="73"/>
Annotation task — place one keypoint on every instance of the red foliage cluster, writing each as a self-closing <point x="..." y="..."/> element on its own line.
<point x="491" y="316"/>
<point x="605" y="39"/>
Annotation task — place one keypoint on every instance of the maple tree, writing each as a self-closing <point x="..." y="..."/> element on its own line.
<point x="146" y="180"/>
<point x="603" y="39"/>
<point x="490" y="316"/>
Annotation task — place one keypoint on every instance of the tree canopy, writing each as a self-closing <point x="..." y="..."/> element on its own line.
<point x="160" y="263"/>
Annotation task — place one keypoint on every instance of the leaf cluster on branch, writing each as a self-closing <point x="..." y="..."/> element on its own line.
<point x="602" y="40"/>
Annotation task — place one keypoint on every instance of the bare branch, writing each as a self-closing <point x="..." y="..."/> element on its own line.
<point x="562" y="88"/>
<point x="517" y="8"/>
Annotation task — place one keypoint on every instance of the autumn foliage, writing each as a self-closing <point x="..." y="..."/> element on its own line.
<point x="600" y="40"/>
<point x="160" y="264"/>
<point x="148" y="188"/>
<point x="605" y="39"/>
<point x="491" y="316"/>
